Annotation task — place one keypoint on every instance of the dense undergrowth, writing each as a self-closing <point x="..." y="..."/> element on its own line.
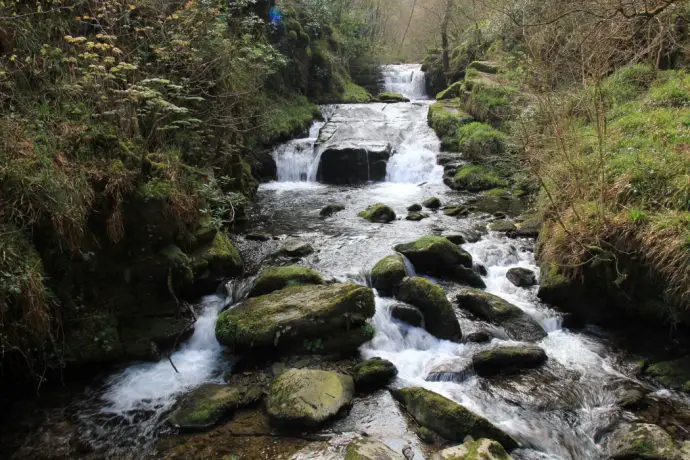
<point x="129" y="131"/>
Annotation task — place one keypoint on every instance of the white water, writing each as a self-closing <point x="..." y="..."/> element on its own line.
<point x="297" y="160"/>
<point x="406" y="79"/>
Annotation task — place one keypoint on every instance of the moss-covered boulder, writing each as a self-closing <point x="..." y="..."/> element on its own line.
<point x="296" y="250"/>
<point x="448" y="418"/>
<point x="373" y="374"/>
<point x="490" y="67"/>
<point x="416" y="216"/>
<point x="641" y="441"/>
<point x="445" y="117"/>
<point x="455" y="90"/>
<point x="435" y="255"/>
<point x="432" y="203"/>
<point x="502" y="226"/>
<point x="387" y="274"/>
<point x="493" y="309"/>
<point x="481" y="449"/>
<point x="475" y="178"/>
<point x="379" y="213"/>
<point x="307" y="397"/>
<point x="392" y="97"/>
<point x="288" y="318"/>
<point x="330" y="209"/>
<point x="521" y="277"/>
<point x="407" y="314"/>
<point x="672" y="374"/>
<point x="220" y="258"/>
<point x="439" y="317"/>
<point x="488" y="98"/>
<point x="478" y="141"/>
<point x="205" y="406"/>
<point x="277" y="278"/>
<point x="416" y="207"/>
<point x="370" y="449"/>
<point x="554" y="287"/>
<point x="341" y="344"/>
<point x="508" y="360"/>
<point x="456" y="211"/>
<point x="529" y="227"/>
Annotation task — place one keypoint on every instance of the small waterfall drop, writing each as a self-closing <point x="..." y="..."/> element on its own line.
<point x="406" y="79"/>
<point x="297" y="160"/>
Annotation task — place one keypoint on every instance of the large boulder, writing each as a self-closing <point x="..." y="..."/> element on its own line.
<point x="379" y="213"/>
<point x="448" y="418"/>
<point x="641" y="441"/>
<point x="439" y="317"/>
<point x="370" y="449"/>
<point x="481" y="449"/>
<point x="508" y="360"/>
<point x="435" y="255"/>
<point x="218" y="259"/>
<point x="493" y="309"/>
<point x="307" y="397"/>
<point x="387" y="274"/>
<point x="206" y="405"/>
<point x="281" y="320"/>
<point x="354" y="165"/>
<point x="521" y="277"/>
<point x="432" y="203"/>
<point x="277" y="278"/>
<point x="407" y="314"/>
<point x="392" y="97"/>
<point x="373" y="374"/>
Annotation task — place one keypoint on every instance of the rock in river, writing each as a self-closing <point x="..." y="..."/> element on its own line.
<point x="296" y="250"/>
<point x="378" y="212"/>
<point x="432" y="203"/>
<point x="641" y="441"/>
<point x="387" y="274"/>
<point x="521" y="277"/>
<point x="416" y="216"/>
<point x="373" y="374"/>
<point x="277" y="278"/>
<point x="435" y="255"/>
<point x="307" y="397"/>
<point x="481" y="449"/>
<point x="448" y="418"/>
<point x="370" y="449"/>
<point x="508" y="360"/>
<point x="331" y="209"/>
<point x="493" y="309"/>
<point x="283" y="320"/>
<point x="407" y="314"/>
<point x="439" y="317"/>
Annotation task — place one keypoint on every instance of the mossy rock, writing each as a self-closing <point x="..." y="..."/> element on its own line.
<point x="455" y="238"/>
<point x="354" y="94"/>
<point x="180" y="266"/>
<point x="277" y="278"/>
<point x="392" y="97"/>
<point x="502" y="226"/>
<point x="521" y="277"/>
<point x="373" y="374"/>
<point x="475" y="178"/>
<point x="439" y="317"/>
<point x="445" y="117"/>
<point x="340" y="344"/>
<point x="508" y="360"/>
<point x="435" y="255"/>
<point x="432" y="203"/>
<point x="490" y="67"/>
<point x="456" y="211"/>
<point x="673" y="374"/>
<point x="478" y="141"/>
<point x="448" y="418"/>
<point x="331" y="209"/>
<point x="487" y="98"/>
<point x="529" y="227"/>
<point x="453" y="91"/>
<point x="417" y="216"/>
<point x="277" y="321"/>
<point x="205" y="406"/>
<point x="414" y="207"/>
<point x="379" y="213"/>
<point x="554" y="287"/>
<point x="387" y="274"/>
<point x="641" y="441"/>
<point x="493" y="309"/>
<point x="481" y="449"/>
<point x="370" y="449"/>
<point x="307" y="397"/>
<point x="296" y="250"/>
<point x="407" y="314"/>
<point x="221" y="258"/>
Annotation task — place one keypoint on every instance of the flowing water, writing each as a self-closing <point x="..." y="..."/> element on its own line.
<point x="557" y="412"/>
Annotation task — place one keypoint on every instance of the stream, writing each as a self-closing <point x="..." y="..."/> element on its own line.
<point x="558" y="412"/>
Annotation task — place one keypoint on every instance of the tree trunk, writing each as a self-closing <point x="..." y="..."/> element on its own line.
<point x="444" y="35"/>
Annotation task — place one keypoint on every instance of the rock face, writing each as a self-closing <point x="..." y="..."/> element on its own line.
<point x="283" y="320"/>
<point x="508" y="360"/>
<point x="354" y="165"/>
<point x="481" y="449"/>
<point x="521" y="277"/>
<point x="436" y="255"/>
<point x="208" y="404"/>
<point x="387" y="274"/>
<point x="369" y="449"/>
<point x="373" y="374"/>
<point x="307" y="397"/>
<point x="407" y="314"/>
<point x="331" y="209"/>
<point x="277" y="278"/>
<point x="439" y="317"/>
<point x="488" y="307"/>
<point x="641" y="441"/>
<point x="449" y="419"/>
<point x="379" y="213"/>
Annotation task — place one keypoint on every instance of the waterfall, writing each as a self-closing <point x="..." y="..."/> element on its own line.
<point x="406" y="79"/>
<point x="298" y="160"/>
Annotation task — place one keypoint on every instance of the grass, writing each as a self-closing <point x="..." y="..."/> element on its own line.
<point x="478" y="140"/>
<point x="476" y="178"/>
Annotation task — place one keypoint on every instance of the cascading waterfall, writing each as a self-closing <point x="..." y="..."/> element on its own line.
<point x="406" y="79"/>
<point x="297" y="160"/>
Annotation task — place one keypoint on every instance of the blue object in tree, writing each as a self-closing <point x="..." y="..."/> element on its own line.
<point x="274" y="15"/>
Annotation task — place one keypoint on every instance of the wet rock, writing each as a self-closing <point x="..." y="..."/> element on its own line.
<point x="490" y="67"/>
<point x="407" y="314"/>
<point x="435" y="255"/>
<point x="631" y="398"/>
<point x="554" y="287"/>
<point x="454" y="370"/>
<point x="479" y="337"/>
<point x="354" y="164"/>
<point x="370" y="449"/>
<point x="456" y="211"/>
<point x="508" y="360"/>
<point x="416" y="216"/>
<point x="529" y="228"/>
<point x="392" y="97"/>
<point x="428" y="436"/>
<point x="258" y="236"/>
<point x="307" y="397"/>
<point x="481" y="449"/>
<point x="455" y="238"/>
<point x="439" y="317"/>
<point x="373" y="374"/>
<point x="468" y="276"/>
<point x="387" y="274"/>
<point x="521" y="277"/>
<point x="275" y="322"/>
<point x="448" y="418"/>
<point x="672" y="374"/>
<point x="378" y="212"/>
<point x="641" y="441"/>
<point x="277" y="278"/>
<point x="296" y="250"/>
<point x="432" y="203"/>
<point x="205" y="406"/>
<point x="331" y="209"/>
<point x="502" y="226"/>
<point x="415" y="207"/>
<point x="491" y="204"/>
<point x="493" y="309"/>
<point x="219" y="259"/>
<point x="480" y="269"/>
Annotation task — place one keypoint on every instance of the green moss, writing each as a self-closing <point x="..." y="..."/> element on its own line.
<point x="672" y="374"/>
<point x="157" y="189"/>
<point x="378" y="212"/>
<point x="445" y="117"/>
<point x="498" y="193"/>
<point x="479" y="140"/>
<point x="487" y="98"/>
<point x="221" y="258"/>
<point x="475" y="178"/>
<point x="387" y="274"/>
<point x="628" y="82"/>
<point x="431" y="300"/>
<point x="353" y="93"/>
<point x="392" y="97"/>
<point x="276" y="278"/>
<point x="455" y="90"/>
<point x="284" y="118"/>
<point x="180" y="265"/>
